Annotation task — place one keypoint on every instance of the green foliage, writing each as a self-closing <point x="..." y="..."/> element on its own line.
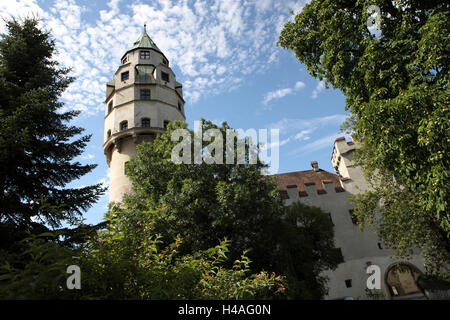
<point x="124" y="261"/>
<point x="37" y="145"/>
<point x="396" y="85"/>
<point x="37" y="272"/>
<point x="399" y="221"/>
<point x="427" y="282"/>
<point x="375" y="294"/>
<point x="204" y="203"/>
<point x="128" y="261"/>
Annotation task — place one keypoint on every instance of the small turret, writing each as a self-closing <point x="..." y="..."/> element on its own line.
<point x="352" y="178"/>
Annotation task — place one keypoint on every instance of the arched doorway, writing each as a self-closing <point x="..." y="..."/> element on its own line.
<point x="401" y="280"/>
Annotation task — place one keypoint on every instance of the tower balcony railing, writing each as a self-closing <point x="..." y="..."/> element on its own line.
<point x="132" y="132"/>
<point x="116" y="139"/>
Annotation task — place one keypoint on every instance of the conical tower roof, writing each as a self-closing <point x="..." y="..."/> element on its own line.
<point x="144" y="42"/>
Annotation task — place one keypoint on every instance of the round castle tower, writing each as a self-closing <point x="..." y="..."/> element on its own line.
<point x="141" y="100"/>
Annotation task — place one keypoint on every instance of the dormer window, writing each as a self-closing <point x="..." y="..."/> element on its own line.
<point x="125" y="75"/>
<point x="144" y="54"/>
<point x="123" y="125"/>
<point x="164" y="76"/>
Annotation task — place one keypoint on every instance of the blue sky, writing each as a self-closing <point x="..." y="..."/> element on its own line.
<point x="223" y="52"/>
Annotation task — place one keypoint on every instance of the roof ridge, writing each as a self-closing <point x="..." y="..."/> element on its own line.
<point x="299" y="171"/>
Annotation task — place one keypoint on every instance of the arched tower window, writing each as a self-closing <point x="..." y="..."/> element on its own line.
<point x="145" y="123"/>
<point x="123" y="125"/>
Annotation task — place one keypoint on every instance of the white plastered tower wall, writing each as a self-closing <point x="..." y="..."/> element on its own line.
<point x="143" y="96"/>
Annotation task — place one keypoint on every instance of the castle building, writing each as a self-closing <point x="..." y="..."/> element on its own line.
<point x="331" y="192"/>
<point x="141" y="100"/>
<point x="144" y="97"/>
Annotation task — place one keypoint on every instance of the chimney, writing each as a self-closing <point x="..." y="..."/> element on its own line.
<point x="315" y="165"/>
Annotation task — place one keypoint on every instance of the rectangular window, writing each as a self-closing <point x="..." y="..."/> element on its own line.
<point x="123" y="125"/>
<point x="331" y="220"/>
<point x="145" y="94"/>
<point x="125" y="75"/>
<point x="145" y="123"/>
<point x="164" y="76"/>
<point x="144" y="54"/>
<point x="125" y="168"/>
<point x="166" y="123"/>
<point x="353" y="217"/>
<point x="348" y="283"/>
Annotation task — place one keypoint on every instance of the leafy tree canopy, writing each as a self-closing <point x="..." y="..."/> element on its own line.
<point x="206" y="203"/>
<point x="396" y="84"/>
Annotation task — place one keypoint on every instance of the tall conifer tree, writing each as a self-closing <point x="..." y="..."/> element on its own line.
<point x="37" y="143"/>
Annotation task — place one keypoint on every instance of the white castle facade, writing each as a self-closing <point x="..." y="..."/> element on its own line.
<point x="144" y="97"/>
<point x="331" y="192"/>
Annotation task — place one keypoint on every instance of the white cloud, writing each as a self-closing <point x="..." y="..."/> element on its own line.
<point x="303" y="135"/>
<point x="320" y="86"/>
<point x="280" y="93"/>
<point x="213" y="44"/>
<point x="294" y="126"/>
<point x="18" y="9"/>
<point x="301" y="130"/>
<point x="277" y="94"/>
<point x="299" y="85"/>
<point x="321" y="143"/>
<point x="88" y="156"/>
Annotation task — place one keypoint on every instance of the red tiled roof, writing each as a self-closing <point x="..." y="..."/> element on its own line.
<point x="300" y="179"/>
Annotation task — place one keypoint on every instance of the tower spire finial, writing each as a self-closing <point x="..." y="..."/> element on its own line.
<point x="145" y="27"/>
